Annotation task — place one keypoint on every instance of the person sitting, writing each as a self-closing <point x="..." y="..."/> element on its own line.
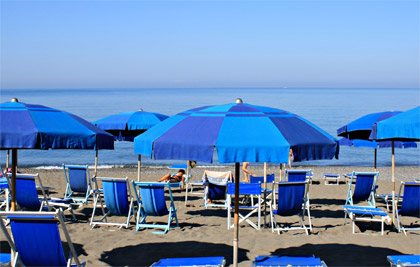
<point x="176" y="178"/>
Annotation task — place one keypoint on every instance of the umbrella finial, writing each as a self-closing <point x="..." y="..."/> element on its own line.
<point x="239" y="101"/>
<point x="140" y="109"/>
<point x="14" y="100"/>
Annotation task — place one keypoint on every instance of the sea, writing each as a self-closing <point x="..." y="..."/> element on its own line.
<point x="328" y="108"/>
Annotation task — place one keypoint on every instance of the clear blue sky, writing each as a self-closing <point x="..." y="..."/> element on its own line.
<point x="132" y="44"/>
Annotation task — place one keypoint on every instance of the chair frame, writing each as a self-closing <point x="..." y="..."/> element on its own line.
<point x="142" y="214"/>
<point x="398" y="215"/>
<point x="70" y="191"/>
<point x="56" y="216"/>
<point x="223" y="182"/>
<point x="370" y="198"/>
<point x="248" y="190"/>
<point x="301" y="214"/>
<point x="103" y="219"/>
<point x="358" y="213"/>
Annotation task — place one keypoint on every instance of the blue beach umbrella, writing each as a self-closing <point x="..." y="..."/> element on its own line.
<point x="127" y="125"/>
<point x="402" y="127"/>
<point x="238" y="132"/>
<point x="29" y="126"/>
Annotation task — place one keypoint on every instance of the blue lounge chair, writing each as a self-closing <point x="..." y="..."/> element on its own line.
<point x="151" y="201"/>
<point x="118" y="201"/>
<point x="404" y="260"/>
<point x="288" y="261"/>
<point x="291" y="201"/>
<point x="78" y="183"/>
<point x="27" y="196"/>
<point x="335" y="177"/>
<point x="248" y="190"/>
<point x="4" y="190"/>
<point x="364" y="189"/>
<point x="193" y="262"/>
<point x="270" y="180"/>
<point x="410" y="205"/>
<point x="36" y="239"/>
<point x="215" y="188"/>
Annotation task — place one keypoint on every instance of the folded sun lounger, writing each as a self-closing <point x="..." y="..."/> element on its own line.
<point x="288" y="261"/>
<point x="198" y="261"/>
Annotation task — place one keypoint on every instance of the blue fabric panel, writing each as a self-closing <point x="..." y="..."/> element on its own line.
<point x="290" y="199"/>
<point x="142" y="120"/>
<point x="38" y="242"/>
<point x="5" y="257"/>
<point x="153" y="200"/>
<point x="411" y="200"/>
<point x="143" y="144"/>
<point x="17" y="127"/>
<point x="116" y="197"/>
<point x="242" y="139"/>
<point x="114" y="122"/>
<point x="296" y="176"/>
<point x="77" y="179"/>
<point x="216" y="192"/>
<point x="403" y="127"/>
<point x="363" y="187"/>
<point x="199" y="261"/>
<point x="306" y="141"/>
<point x="26" y="194"/>
<point x="287" y="261"/>
<point x="409" y="260"/>
<point x="245" y="188"/>
<point x="260" y="179"/>
<point x="191" y="139"/>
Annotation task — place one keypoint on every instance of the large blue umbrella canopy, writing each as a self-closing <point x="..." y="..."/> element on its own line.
<point x="362" y="127"/>
<point x="127" y="125"/>
<point x="239" y="132"/>
<point x="29" y="126"/>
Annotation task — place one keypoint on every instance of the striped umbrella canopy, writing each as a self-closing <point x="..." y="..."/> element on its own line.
<point x="30" y="126"/>
<point x="362" y="127"/>
<point x="127" y="125"/>
<point x="238" y="132"/>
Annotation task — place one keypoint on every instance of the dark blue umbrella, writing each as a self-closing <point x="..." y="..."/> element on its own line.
<point x="362" y="127"/>
<point x="28" y="126"/>
<point x="127" y="125"/>
<point x="239" y="133"/>
<point x="402" y="127"/>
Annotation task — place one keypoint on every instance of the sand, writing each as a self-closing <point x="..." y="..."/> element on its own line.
<point x="204" y="232"/>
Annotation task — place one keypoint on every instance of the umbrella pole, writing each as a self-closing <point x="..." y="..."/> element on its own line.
<point x="186" y="185"/>
<point x="265" y="194"/>
<point x="138" y="168"/>
<point x="236" y="217"/>
<point x="7" y="159"/>
<point x="281" y="172"/>
<point x="393" y="184"/>
<point x="375" y="157"/>
<point x="14" y="169"/>
<point x="96" y="163"/>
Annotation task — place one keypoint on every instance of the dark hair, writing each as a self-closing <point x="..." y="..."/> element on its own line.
<point x="182" y="170"/>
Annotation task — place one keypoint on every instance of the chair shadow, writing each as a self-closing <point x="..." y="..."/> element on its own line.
<point x="148" y="253"/>
<point x="208" y="212"/>
<point x="344" y="254"/>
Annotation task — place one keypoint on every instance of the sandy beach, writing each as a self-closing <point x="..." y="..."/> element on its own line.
<point x="204" y="232"/>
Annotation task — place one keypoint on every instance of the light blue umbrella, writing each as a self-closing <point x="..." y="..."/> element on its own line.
<point x="29" y="126"/>
<point x="238" y="132"/>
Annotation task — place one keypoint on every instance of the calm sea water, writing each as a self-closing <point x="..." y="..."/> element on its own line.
<point x="327" y="108"/>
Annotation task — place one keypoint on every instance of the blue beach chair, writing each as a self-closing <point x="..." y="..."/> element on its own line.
<point x="410" y="205"/>
<point x="4" y="190"/>
<point x="151" y="201"/>
<point x="27" y="196"/>
<point x="270" y="180"/>
<point x="248" y="190"/>
<point x="291" y="202"/>
<point x="288" y="261"/>
<point x="403" y="260"/>
<point x="36" y="239"/>
<point x="298" y="175"/>
<point x="78" y="183"/>
<point x="193" y="262"/>
<point x="215" y="188"/>
<point x="118" y="201"/>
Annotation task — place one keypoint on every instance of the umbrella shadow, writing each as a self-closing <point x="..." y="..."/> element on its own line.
<point x="342" y="254"/>
<point x="148" y="253"/>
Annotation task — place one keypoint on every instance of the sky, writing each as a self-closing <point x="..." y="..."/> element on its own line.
<point x="207" y="44"/>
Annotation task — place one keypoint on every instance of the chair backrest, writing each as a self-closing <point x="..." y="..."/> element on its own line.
<point x="260" y="179"/>
<point x="297" y="175"/>
<point x="116" y="194"/>
<point x="37" y="238"/>
<point x="410" y="205"/>
<point x="216" y="183"/>
<point x="290" y="198"/>
<point x="245" y="189"/>
<point x="365" y="185"/>
<point x="78" y="177"/>
<point x="152" y="197"/>
<point x="26" y="192"/>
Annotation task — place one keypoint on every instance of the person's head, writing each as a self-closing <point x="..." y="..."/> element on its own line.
<point x="181" y="172"/>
